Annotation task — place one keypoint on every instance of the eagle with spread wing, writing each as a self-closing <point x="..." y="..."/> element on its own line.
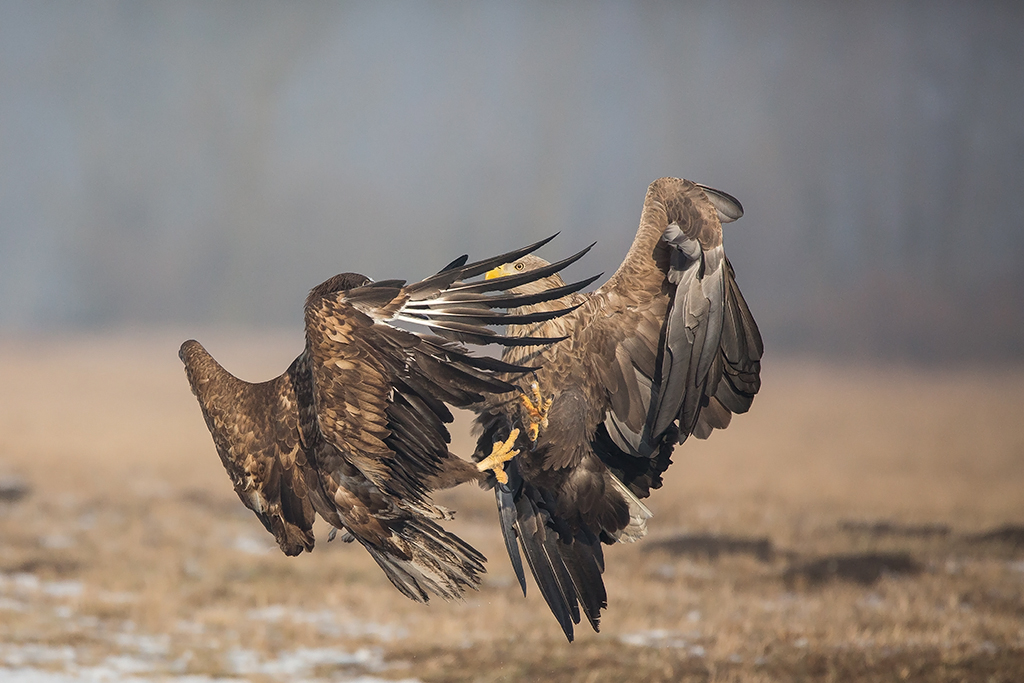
<point x="664" y="349"/>
<point x="354" y="430"/>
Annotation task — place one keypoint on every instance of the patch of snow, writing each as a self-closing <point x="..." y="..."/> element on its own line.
<point x="250" y="545"/>
<point x="57" y="541"/>
<point x="12" y="605"/>
<point x="63" y="589"/>
<point x="152" y="646"/>
<point x="23" y="583"/>
<point x="117" y="597"/>
<point x="872" y="601"/>
<point x="185" y="626"/>
<point x="329" y="623"/>
<point x="662" y="638"/>
<point x="26" y="583"/>
<point x="126" y="664"/>
<point x="302" y="660"/>
<point x="97" y="675"/>
<point x="145" y="658"/>
<point x="31" y="654"/>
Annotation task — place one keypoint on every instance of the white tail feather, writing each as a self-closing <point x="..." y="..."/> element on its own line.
<point x="638" y="514"/>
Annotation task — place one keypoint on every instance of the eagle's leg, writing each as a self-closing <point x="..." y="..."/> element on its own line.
<point x="501" y="452"/>
<point x="537" y="411"/>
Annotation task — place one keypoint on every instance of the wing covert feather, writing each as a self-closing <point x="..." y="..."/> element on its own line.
<point x="350" y="386"/>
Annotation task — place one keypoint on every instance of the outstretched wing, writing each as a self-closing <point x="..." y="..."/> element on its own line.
<point x="672" y="339"/>
<point x="381" y="391"/>
<point x="257" y="433"/>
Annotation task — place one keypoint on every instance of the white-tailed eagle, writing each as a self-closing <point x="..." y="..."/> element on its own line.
<point x="354" y="430"/>
<point x="664" y="349"/>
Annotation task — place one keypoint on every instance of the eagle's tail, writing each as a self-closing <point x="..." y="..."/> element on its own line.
<point x="638" y="513"/>
<point x="421" y="558"/>
<point x="567" y="567"/>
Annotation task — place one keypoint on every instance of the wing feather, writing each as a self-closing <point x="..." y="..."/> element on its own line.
<point x="673" y="312"/>
<point x="256" y="429"/>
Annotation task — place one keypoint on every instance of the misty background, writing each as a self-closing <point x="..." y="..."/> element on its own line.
<point x="194" y="164"/>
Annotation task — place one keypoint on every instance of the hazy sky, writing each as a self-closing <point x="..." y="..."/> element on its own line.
<point x="197" y="164"/>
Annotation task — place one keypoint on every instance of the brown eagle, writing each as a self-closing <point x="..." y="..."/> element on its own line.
<point x="664" y="349"/>
<point x="354" y="430"/>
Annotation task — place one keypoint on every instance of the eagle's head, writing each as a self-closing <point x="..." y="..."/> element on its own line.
<point x="522" y="265"/>
<point x="339" y="283"/>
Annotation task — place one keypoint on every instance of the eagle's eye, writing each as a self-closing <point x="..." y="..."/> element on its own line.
<point x="520" y="266"/>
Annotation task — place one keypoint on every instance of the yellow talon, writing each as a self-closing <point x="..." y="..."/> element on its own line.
<point x="537" y="410"/>
<point x="501" y="452"/>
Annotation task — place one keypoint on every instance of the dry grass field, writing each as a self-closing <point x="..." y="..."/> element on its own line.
<point x="861" y="523"/>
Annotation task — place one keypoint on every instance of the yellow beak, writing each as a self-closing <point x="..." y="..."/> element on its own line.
<point x="495" y="272"/>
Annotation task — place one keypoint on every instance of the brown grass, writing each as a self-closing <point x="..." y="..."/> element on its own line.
<point x="859" y="524"/>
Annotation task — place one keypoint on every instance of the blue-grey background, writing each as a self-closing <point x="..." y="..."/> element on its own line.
<point x="207" y="163"/>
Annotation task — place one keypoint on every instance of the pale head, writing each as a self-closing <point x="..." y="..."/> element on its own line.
<point x="523" y="265"/>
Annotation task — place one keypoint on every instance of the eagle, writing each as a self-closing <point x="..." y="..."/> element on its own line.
<point x="665" y="349"/>
<point x="354" y="429"/>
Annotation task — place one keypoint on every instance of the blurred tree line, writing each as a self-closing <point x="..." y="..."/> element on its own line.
<point x="177" y="163"/>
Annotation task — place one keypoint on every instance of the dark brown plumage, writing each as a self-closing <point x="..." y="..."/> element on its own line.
<point x="665" y="349"/>
<point x="354" y="430"/>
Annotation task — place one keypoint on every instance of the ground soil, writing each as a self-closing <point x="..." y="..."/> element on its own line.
<point x="860" y="523"/>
